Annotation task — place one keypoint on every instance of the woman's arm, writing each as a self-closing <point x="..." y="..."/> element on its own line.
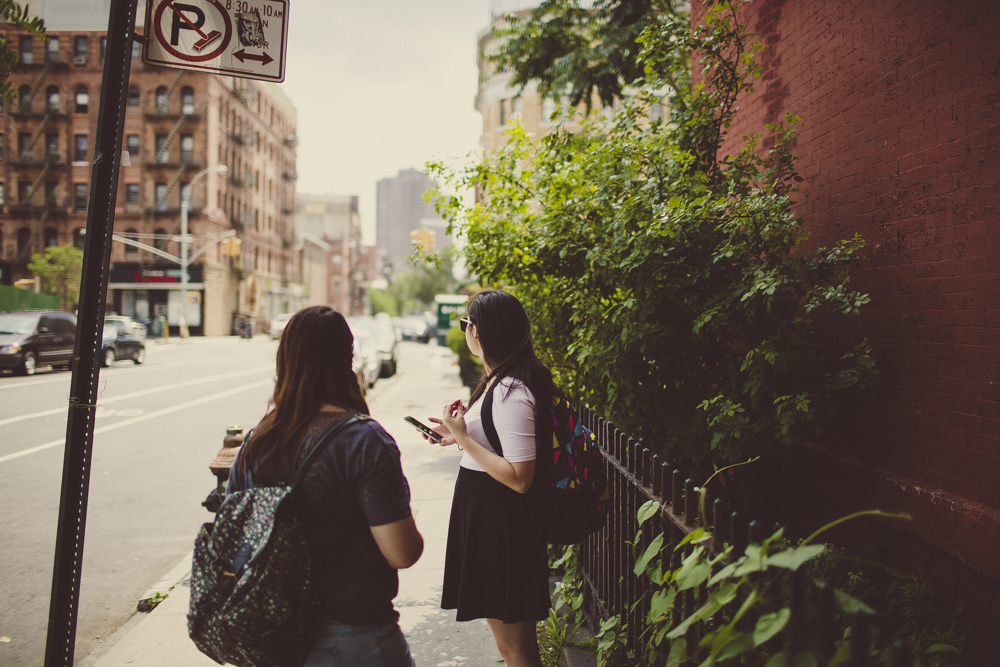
<point x="515" y="475"/>
<point x="400" y="542"/>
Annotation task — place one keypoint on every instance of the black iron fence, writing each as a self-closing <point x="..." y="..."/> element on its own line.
<point x="607" y="559"/>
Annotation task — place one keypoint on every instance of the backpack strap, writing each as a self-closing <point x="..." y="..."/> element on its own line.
<point x="488" y="425"/>
<point x="301" y="472"/>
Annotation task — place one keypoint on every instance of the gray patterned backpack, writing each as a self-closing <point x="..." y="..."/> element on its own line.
<point x="252" y="588"/>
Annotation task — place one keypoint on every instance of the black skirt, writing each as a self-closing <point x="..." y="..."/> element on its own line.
<point x="495" y="563"/>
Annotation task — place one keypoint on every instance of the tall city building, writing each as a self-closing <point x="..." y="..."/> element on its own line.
<point x="330" y="228"/>
<point x="400" y="209"/>
<point x="180" y="127"/>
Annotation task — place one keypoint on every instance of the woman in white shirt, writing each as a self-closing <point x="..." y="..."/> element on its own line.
<point x="495" y="563"/>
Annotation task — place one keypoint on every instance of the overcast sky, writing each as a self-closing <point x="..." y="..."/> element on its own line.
<point x="381" y="85"/>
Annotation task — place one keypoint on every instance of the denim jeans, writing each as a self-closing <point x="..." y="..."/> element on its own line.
<point x="342" y="645"/>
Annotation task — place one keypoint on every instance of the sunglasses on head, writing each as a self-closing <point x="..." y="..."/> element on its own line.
<point x="464" y="323"/>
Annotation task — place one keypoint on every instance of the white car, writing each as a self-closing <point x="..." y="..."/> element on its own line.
<point x="277" y="325"/>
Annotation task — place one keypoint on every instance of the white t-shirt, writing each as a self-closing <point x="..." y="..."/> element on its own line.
<point x="514" y="417"/>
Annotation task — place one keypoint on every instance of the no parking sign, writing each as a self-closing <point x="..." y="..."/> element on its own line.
<point x="232" y="37"/>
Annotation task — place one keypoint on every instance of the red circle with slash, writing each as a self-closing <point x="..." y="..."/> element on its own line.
<point x="158" y="28"/>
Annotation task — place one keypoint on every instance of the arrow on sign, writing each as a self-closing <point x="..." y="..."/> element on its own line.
<point x="243" y="56"/>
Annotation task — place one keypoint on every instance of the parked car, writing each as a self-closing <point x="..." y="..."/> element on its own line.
<point x="137" y="327"/>
<point x="277" y="325"/>
<point x="364" y="345"/>
<point x="33" y="338"/>
<point x="381" y="329"/>
<point x="120" y="341"/>
<point x="415" y="327"/>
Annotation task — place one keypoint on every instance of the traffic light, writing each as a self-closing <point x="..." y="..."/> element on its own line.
<point x="232" y="247"/>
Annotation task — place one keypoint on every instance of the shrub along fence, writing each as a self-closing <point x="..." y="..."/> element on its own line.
<point x="12" y="298"/>
<point x="683" y="596"/>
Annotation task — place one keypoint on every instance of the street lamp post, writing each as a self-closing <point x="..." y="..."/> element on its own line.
<point x="185" y="240"/>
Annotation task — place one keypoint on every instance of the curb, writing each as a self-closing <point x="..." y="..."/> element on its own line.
<point x="579" y="657"/>
<point x="163" y="587"/>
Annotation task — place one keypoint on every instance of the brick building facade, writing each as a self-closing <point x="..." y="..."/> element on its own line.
<point x="900" y="107"/>
<point x="176" y="125"/>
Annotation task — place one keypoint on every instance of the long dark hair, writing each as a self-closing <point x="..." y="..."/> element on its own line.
<point x="505" y="336"/>
<point x="314" y="366"/>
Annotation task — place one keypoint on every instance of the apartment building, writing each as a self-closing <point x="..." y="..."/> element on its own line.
<point x="330" y="228"/>
<point x="179" y="128"/>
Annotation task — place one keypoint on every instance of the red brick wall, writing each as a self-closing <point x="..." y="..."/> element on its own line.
<point x="900" y="142"/>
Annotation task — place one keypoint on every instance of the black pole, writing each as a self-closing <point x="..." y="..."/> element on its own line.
<point x="63" y="604"/>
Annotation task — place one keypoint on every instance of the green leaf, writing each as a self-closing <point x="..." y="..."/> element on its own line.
<point x="648" y="511"/>
<point x="741" y="644"/>
<point x="661" y="602"/>
<point x="651" y="552"/>
<point x="804" y="659"/>
<point x="777" y="660"/>
<point x="678" y="653"/>
<point x="794" y="558"/>
<point x="850" y="605"/>
<point x="942" y="648"/>
<point x="769" y="625"/>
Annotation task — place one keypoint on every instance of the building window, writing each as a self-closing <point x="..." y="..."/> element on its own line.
<point x="23" y="240"/>
<point x="136" y="49"/>
<point x="24" y="146"/>
<point x="22" y="192"/>
<point x="80" y="196"/>
<point x="503" y="112"/>
<point x="130" y="250"/>
<point x="132" y="193"/>
<point x="52" y="145"/>
<point x="656" y="112"/>
<point x="256" y="219"/>
<point x="51" y="195"/>
<point x="1" y="148"/>
<point x="24" y="99"/>
<point x="82" y="99"/>
<point x="52" y="50"/>
<point x="160" y="192"/>
<point x="51" y="237"/>
<point x="1" y="202"/>
<point x="187" y="148"/>
<point x="104" y="47"/>
<point x="25" y="50"/>
<point x="516" y="107"/>
<point x="548" y="108"/>
<point x="133" y="96"/>
<point x="160" y="241"/>
<point x="52" y="98"/>
<point x="132" y="145"/>
<point x="186" y="193"/>
<point x="162" y="154"/>
<point x="80" y="148"/>
<point x="79" y="238"/>
<point x="79" y="50"/>
<point x="187" y="100"/>
<point x="162" y="100"/>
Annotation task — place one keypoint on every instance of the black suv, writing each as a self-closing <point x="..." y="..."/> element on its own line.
<point x="32" y="338"/>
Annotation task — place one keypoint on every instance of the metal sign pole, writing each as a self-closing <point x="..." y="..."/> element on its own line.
<point x="63" y="603"/>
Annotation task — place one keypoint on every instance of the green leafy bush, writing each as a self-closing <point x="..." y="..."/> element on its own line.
<point x="670" y="286"/>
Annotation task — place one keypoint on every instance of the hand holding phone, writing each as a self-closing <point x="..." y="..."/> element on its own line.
<point x="423" y="428"/>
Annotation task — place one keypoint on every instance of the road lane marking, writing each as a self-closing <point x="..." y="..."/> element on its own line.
<point x="63" y="376"/>
<point x="147" y="417"/>
<point x="143" y="392"/>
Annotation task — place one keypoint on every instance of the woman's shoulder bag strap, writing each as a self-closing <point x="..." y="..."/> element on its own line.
<point x="329" y="435"/>
<point x="488" y="425"/>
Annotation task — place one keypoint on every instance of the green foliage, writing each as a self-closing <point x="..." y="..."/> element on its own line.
<point x="413" y="291"/>
<point x="667" y="284"/>
<point x="60" y="268"/>
<point x="15" y="17"/>
<point x="566" y="48"/>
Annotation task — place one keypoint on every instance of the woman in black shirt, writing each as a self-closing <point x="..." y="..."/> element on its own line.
<point x="356" y="502"/>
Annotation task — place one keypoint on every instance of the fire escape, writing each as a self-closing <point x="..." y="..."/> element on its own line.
<point x="162" y="153"/>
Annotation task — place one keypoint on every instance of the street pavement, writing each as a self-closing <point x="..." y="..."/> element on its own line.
<point x="159" y="425"/>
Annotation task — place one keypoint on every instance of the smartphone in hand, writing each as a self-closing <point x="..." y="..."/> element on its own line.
<point x="425" y="429"/>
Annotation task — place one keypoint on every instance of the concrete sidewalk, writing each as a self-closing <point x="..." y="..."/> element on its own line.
<point x="426" y="382"/>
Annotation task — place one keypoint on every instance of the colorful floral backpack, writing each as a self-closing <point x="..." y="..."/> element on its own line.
<point x="576" y="503"/>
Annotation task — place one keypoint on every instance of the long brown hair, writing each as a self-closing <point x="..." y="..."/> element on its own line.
<point x="314" y="366"/>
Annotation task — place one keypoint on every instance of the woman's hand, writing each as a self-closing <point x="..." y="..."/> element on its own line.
<point x="446" y="437"/>
<point x="453" y="419"/>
